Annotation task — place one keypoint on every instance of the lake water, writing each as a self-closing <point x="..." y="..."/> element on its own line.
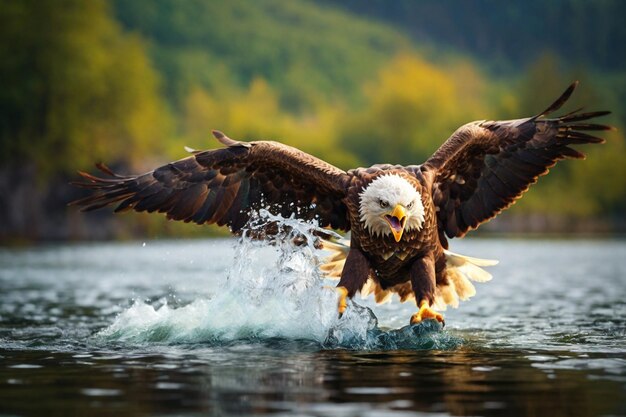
<point x="226" y="327"/>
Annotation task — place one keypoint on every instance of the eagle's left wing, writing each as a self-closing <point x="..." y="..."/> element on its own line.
<point x="225" y="186"/>
<point x="485" y="166"/>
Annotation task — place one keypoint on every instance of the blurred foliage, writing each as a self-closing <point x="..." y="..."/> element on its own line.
<point x="76" y="88"/>
<point x="411" y="107"/>
<point x="131" y="82"/>
<point x="310" y="54"/>
<point x="509" y="35"/>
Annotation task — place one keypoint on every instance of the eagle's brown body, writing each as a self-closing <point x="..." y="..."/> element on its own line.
<point x="478" y="172"/>
<point x="388" y="262"/>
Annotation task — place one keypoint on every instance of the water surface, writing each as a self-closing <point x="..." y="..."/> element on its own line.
<point x="217" y="327"/>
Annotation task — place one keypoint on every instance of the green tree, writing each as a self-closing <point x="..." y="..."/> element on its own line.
<point x="76" y="88"/>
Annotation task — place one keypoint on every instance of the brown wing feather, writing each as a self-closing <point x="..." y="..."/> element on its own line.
<point x="222" y="186"/>
<point x="485" y="166"/>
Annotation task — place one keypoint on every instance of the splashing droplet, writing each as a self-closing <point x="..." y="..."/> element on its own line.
<point x="286" y="301"/>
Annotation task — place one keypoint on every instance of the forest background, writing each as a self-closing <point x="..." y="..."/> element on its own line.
<point x="353" y="82"/>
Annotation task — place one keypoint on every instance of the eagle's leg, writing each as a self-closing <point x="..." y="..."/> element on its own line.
<point x="423" y="281"/>
<point x="355" y="273"/>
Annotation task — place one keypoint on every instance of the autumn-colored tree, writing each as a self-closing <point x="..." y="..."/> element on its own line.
<point x="412" y="107"/>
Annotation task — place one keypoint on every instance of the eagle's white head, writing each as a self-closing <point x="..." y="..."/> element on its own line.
<point x="391" y="205"/>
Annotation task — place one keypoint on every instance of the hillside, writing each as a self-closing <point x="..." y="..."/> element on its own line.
<point x="308" y="53"/>
<point x="510" y="35"/>
<point x="355" y="83"/>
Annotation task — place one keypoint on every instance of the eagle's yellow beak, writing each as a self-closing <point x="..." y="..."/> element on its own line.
<point x="396" y="220"/>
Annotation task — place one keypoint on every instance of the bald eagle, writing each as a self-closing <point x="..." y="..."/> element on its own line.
<point x="399" y="217"/>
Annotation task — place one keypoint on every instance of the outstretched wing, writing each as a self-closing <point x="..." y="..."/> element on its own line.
<point x="485" y="166"/>
<point x="224" y="185"/>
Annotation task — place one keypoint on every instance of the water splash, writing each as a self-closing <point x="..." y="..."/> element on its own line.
<point x="287" y="301"/>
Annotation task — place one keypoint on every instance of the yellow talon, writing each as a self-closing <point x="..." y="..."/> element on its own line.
<point x="342" y="304"/>
<point x="425" y="313"/>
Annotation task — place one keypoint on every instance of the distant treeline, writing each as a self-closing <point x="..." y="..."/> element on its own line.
<point x="132" y="82"/>
<point x="509" y="34"/>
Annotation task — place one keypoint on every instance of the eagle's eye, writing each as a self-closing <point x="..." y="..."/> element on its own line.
<point x="410" y="205"/>
<point x="383" y="203"/>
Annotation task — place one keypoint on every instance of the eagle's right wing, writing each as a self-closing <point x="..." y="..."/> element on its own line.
<point x="224" y="185"/>
<point x="485" y="166"/>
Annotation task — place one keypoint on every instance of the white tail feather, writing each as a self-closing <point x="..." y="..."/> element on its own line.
<point x="458" y="260"/>
<point x="461" y="270"/>
<point x="333" y="263"/>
